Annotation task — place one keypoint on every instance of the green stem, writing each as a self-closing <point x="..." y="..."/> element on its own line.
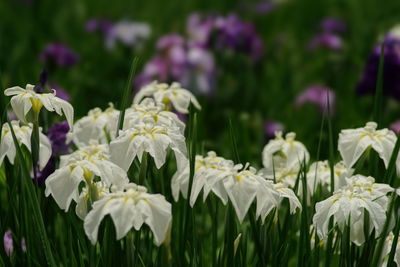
<point x="35" y="145"/>
<point x="143" y="168"/>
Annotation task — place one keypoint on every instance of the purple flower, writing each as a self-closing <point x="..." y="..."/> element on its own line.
<point x="181" y="116"/>
<point x="225" y="34"/>
<point x="317" y="95"/>
<point x="169" y="41"/>
<point x="191" y="65"/>
<point x="395" y="127"/>
<point x="263" y="7"/>
<point x="155" y="69"/>
<point x="42" y="175"/>
<point x="8" y="243"/>
<point x="169" y="64"/>
<point x="326" y="40"/>
<point x="57" y="135"/>
<point x="270" y="127"/>
<point x="60" y="92"/>
<point x="391" y="77"/>
<point x="199" y="28"/>
<point x="173" y="49"/>
<point x="103" y="26"/>
<point x="200" y="73"/>
<point x="58" y="54"/>
<point x="332" y="25"/>
<point x="239" y="36"/>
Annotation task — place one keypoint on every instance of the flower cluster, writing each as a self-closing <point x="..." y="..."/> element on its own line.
<point x="94" y="178"/>
<point x="240" y="184"/>
<point x="319" y="174"/>
<point x="348" y="205"/>
<point x="283" y="158"/>
<point x="23" y="134"/>
<point x="95" y="175"/>
<point x="191" y="61"/>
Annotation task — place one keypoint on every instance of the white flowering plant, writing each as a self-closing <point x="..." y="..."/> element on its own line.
<point x="128" y="189"/>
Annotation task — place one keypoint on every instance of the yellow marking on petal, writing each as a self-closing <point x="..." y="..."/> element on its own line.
<point x="36" y="104"/>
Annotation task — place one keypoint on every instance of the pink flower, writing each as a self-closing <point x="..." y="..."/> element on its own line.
<point x="317" y="95"/>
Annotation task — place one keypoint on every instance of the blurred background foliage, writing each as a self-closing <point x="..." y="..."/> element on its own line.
<point x="248" y="93"/>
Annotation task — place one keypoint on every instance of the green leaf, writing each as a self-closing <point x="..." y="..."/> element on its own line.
<point x="33" y="201"/>
<point x="390" y="173"/>
<point x="127" y="94"/>
<point x="377" y="111"/>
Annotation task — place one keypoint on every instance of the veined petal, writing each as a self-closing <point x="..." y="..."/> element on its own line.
<point x="351" y="147"/>
<point x="122" y="213"/>
<point x="242" y="194"/>
<point x="46" y="100"/>
<point x="122" y="151"/>
<point x="158" y="217"/>
<point x="66" y="108"/>
<point x="112" y="174"/>
<point x="44" y="150"/>
<point x="21" y="106"/>
<point x="63" y="185"/>
<point x="93" y="219"/>
<point x="130" y="208"/>
<point x="384" y="146"/>
<point x="180" y="183"/>
<point x="15" y="90"/>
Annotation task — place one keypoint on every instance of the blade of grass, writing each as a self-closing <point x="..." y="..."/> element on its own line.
<point x="126" y="94"/>
<point x="304" y="251"/>
<point x="391" y="170"/>
<point x="329" y="249"/>
<point x="232" y="135"/>
<point x="188" y="217"/>
<point x="33" y="201"/>
<point x="377" y="110"/>
<point x="230" y="230"/>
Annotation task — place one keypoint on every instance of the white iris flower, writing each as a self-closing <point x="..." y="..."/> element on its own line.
<point x="148" y="137"/>
<point x="271" y="195"/>
<point x="150" y="111"/>
<point x="350" y="203"/>
<point x="283" y="158"/>
<point x="354" y="142"/>
<point x="82" y="166"/>
<point x="320" y="174"/>
<point x="284" y="152"/>
<point x="179" y="97"/>
<point x="97" y="125"/>
<point x="131" y="208"/>
<point x="386" y="250"/>
<point x="86" y="197"/>
<point x="23" y="134"/>
<point x="24" y="100"/>
<point x="241" y="185"/>
<point x="208" y="176"/>
<point x="246" y="184"/>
